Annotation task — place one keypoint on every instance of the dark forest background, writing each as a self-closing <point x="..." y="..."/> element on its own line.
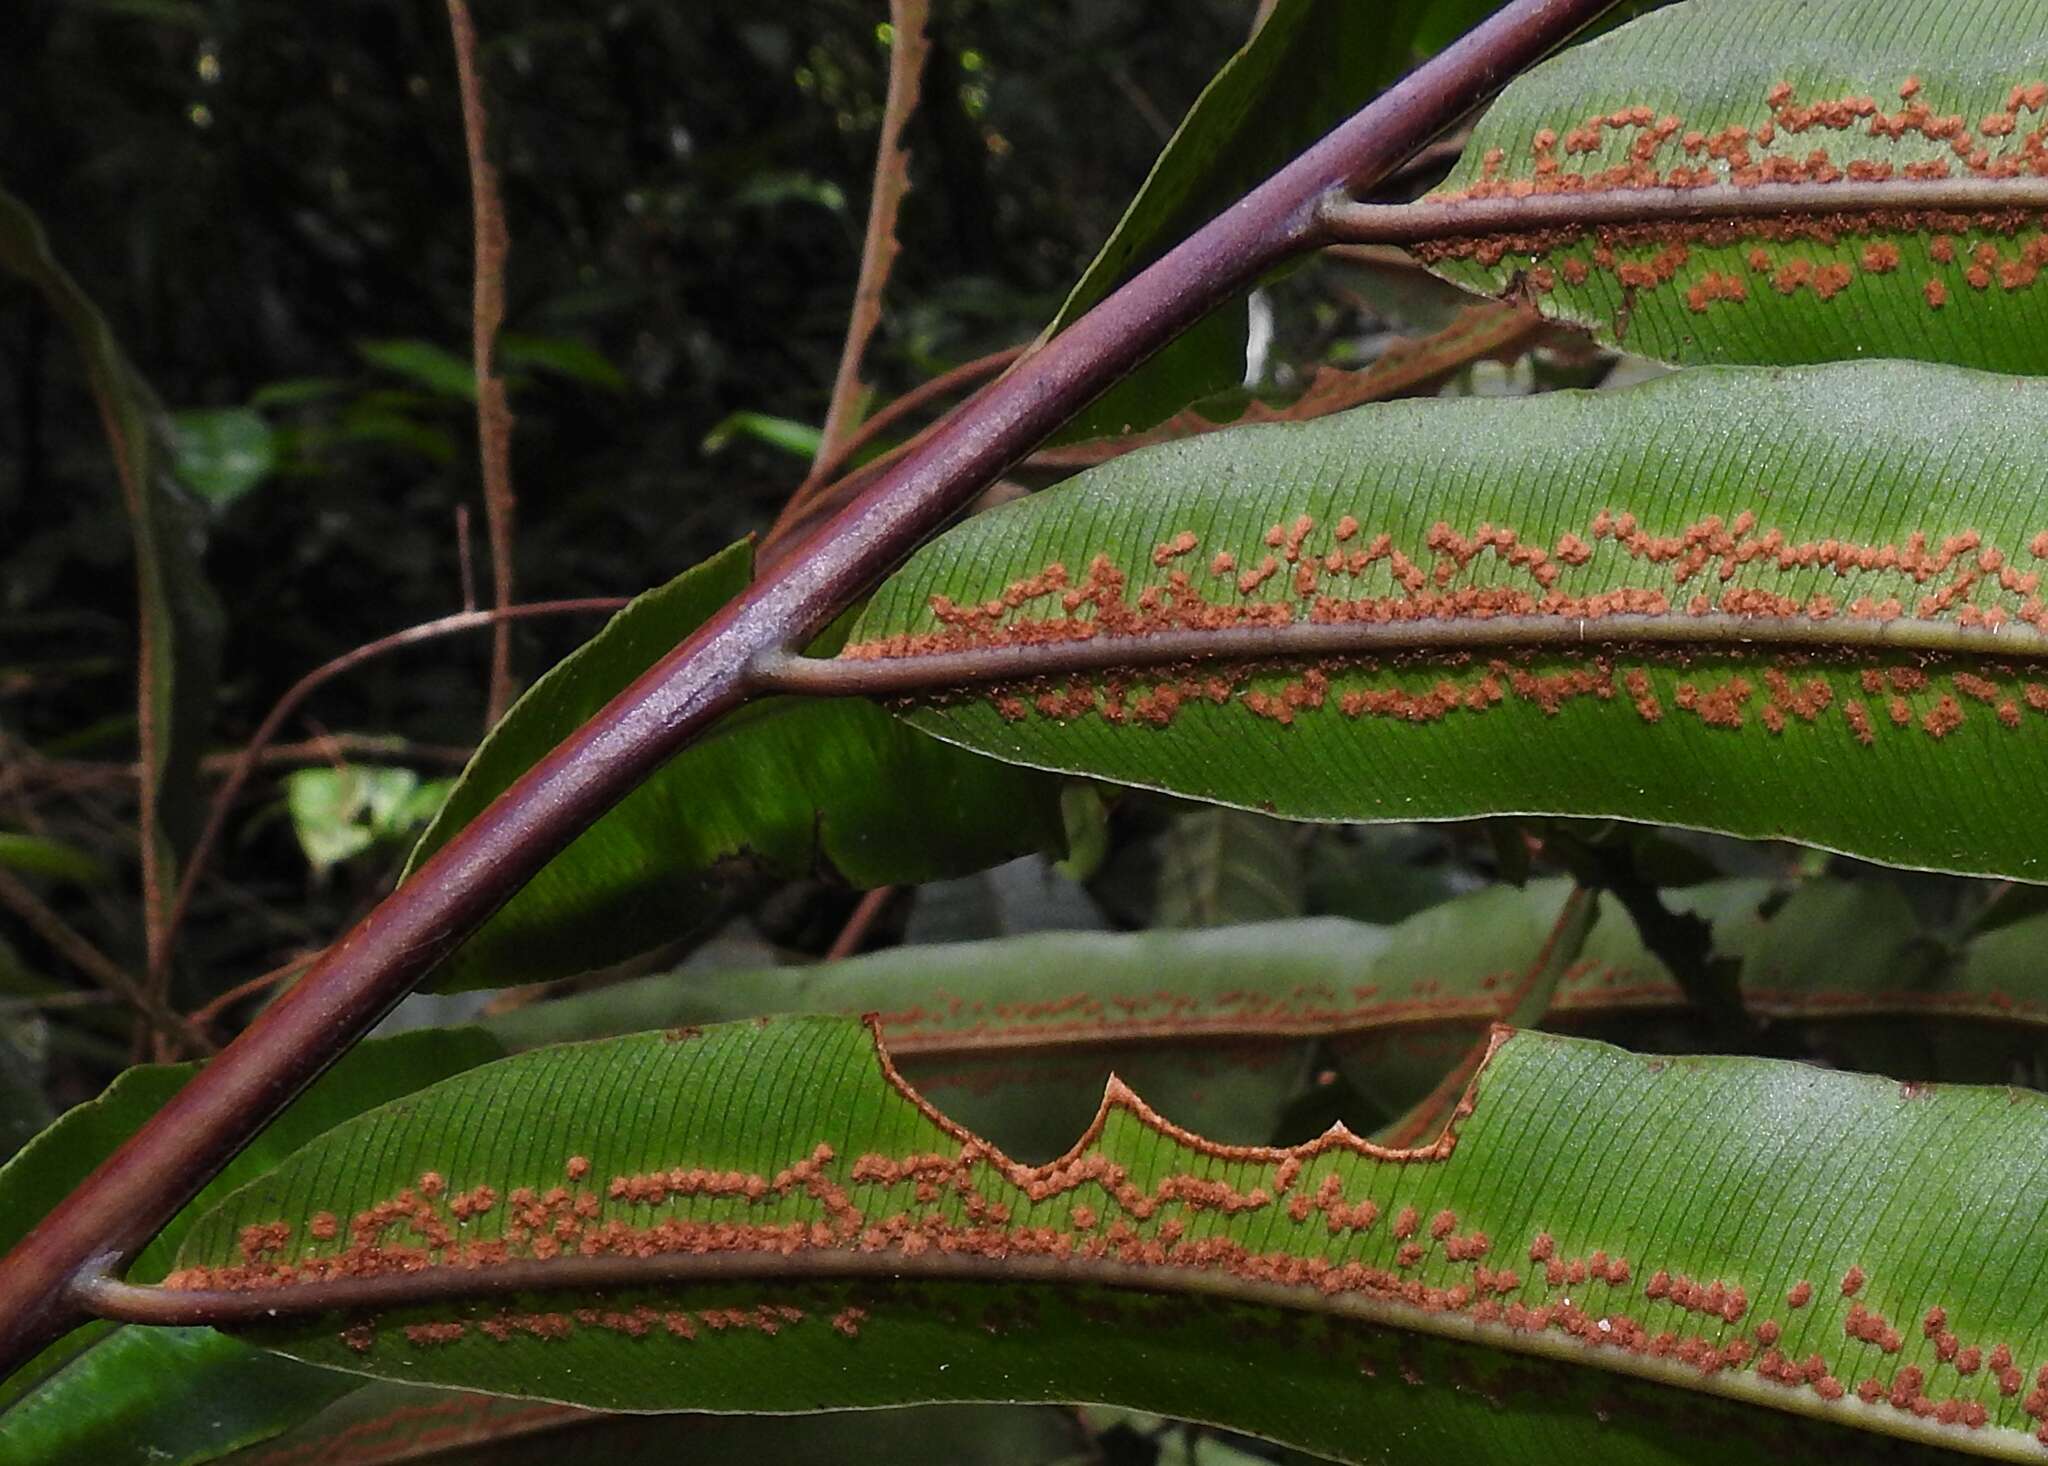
<point x="269" y="202"/>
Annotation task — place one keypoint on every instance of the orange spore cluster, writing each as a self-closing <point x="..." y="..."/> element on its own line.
<point x="966" y="1198"/>
<point x="1715" y="1298"/>
<point x="1659" y="151"/>
<point x="1955" y="577"/>
<point x="1871" y="1327"/>
<point x="1633" y="148"/>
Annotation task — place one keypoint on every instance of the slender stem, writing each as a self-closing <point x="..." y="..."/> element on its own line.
<point x="1487" y="328"/>
<point x="252" y="754"/>
<point x="923" y="395"/>
<point x="113" y="1213"/>
<point x="261" y="982"/>
<point x="879" y="246"/>
<point x="153" y="661"/>
<point x="61" y="775"/>
<point x="1430" y="220"/>
<point x="56" y="1002"/>
<point x="857" y="925"/>
<point x="66" y="940"/>
<point x="887" y="676"/>
<point x="487" y="311"/>
<point x="825" y="477"/>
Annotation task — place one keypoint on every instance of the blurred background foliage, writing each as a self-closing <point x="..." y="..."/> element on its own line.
<point x="269" y="203"/>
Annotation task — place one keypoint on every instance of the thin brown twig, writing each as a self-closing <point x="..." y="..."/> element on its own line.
<point x="831" y="462"/>
<point x="465" y="563"/>
<point x="152" y="659"/>
<point x="57" y="1002"/>
<point x="907" y="50"/>
<point x="800" y="516"/>
<point x="246" y="762"/>
<point x="72" y="945"/>
<point x="212" y="1009"/>
<point x="73" y="775"/>
<point x="493" y="412"/>
<point x="1482" y="330"/>
<point x="1141" y="100"/>
<point x="857" y="925"/>
<point x="358" y="746"/>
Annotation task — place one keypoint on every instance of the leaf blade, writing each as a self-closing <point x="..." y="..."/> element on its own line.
<point x="1310" y="64"/>
<point x="180" y="623"/>
<point x="1756" y="92"/>
<point x="784" y="786"/>
<point x="1465" y="674"/>
<point x="1563" y="1138"/>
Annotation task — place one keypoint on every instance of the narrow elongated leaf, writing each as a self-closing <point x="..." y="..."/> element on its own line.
<point x="783" y="786"/>
<point x="1951" y="99"/>
<point x="1221" y="1029"/>
<point x="1800" y="604"/>
<point x="434" y="367"/>
<point x="1307" y="978"/>
<point x="1601" y="1246"/>
<point x="117" y="1393"/>
<point x="1310" y="64"/>
<point x="180" y="621"/>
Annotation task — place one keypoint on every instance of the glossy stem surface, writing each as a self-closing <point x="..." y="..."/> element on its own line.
<point x="102" y="1224"/>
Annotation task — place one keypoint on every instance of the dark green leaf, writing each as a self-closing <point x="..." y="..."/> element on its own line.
<point x="786" y="786"/>
<point x="1748" y="91"/>
<point x="565" y="356"/>
<point x="40" y="855"/>
<point x="800" y="440"/>
<point x="1310" y="65"/>
<point x="1734" y="1205"/>
<point x="1798" y="604"/>
<point x="110" y="1394"/>
<point x="434" y="367"/>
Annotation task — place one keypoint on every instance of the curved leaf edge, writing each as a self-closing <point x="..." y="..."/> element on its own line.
<point x="245" y="1294"/>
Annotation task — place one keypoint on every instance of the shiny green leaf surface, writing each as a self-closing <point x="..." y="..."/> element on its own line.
<point x="1601" y="1244"/>
<point x="1791" y="604"/>
<point x="784" y="786"/>
<point x="108" y="1394"/>
<point x="1310" y="64"/>
<point x="1741" y="93"/>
